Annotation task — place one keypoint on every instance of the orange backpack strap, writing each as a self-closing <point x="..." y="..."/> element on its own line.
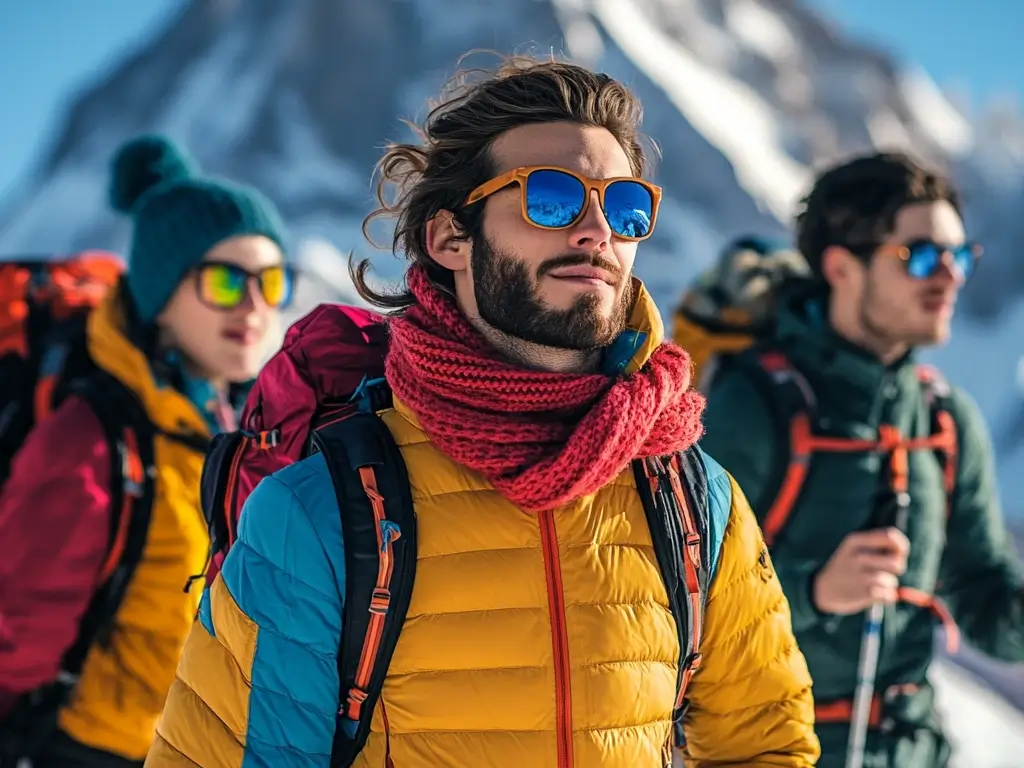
<point x="676" y="500"/>
<point x="788" y="392"/>
<point x="944" y="437"/>
<point x="378" y="521"/>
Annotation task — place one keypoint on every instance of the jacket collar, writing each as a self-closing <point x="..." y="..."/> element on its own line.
<point x="109" y="347"/>
<point x="644" y="333"/>
<point x="835" y="367"/>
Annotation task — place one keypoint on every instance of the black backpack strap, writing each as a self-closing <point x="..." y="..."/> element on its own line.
<point x="379" y="528"/>
<point x="218" y="487"/>
<point x="27" y="729"/>
<point x="129" y="435"/>
<point x="674" y="494"/>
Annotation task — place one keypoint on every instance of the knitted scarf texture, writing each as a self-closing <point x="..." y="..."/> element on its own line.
<point x="542" y="439"/>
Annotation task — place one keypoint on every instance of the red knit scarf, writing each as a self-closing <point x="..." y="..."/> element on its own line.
<point x="542" y="439"/>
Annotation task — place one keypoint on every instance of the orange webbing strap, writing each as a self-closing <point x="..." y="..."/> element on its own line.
<point x="841" y="710"/>
<point x="381" y="600"/>
<point x="935" y="605"/>
<point x="948" y="444"/>
<point x="803" y="444"/>
<point x="42" y="397"/>
<point x="14" y="282"/>
<point x="946" y="441"/>
<point x="134" y="476"/>
<point x="229" y="497"/>
<point x="692" y="563"/>
<point x="800" y="442"/>
<point x="891" y="441"/>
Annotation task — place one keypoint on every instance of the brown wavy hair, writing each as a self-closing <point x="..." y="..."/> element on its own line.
<point x="418" y="181"/>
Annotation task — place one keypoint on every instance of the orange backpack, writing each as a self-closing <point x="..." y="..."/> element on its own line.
<point x="43" y="308"/>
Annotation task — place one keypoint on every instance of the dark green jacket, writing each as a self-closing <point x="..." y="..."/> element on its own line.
<point x="971" y="555"/>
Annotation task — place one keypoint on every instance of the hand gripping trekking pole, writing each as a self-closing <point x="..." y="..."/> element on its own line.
<point x="867" y="665"/>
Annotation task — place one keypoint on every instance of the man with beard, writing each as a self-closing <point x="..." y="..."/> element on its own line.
<point x="531" y="388"/>
<point x="887" y="493"/>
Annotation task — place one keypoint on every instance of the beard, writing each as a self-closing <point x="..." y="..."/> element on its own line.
<point x="896" y="319"/>
<point x="506" y="298"/>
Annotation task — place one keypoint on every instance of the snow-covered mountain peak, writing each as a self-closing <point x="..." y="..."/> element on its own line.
<point x="747" y="99"/>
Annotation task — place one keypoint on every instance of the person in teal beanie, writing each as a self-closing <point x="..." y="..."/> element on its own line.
<point x="193" y="238"/>
<point x="187" y="328"/>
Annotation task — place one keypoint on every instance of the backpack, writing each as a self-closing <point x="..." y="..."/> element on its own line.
<point x="724" y="320"/>
<point x="43" y="359"/>
<point x="731" y="305"/>
<point x="321" y="394"/>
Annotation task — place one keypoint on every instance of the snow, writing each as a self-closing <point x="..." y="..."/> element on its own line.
<point x="727" y="112"/>
<point x="213" y="110"/>
<point x="304" y="165"/>
<point x="319" y="260"/>
<point x="983" y="728"/>
<point x="887" y="130"/>
<point x="935" y="114"/>
<point x="582" y="37"/>
<point x="761" y="30"/>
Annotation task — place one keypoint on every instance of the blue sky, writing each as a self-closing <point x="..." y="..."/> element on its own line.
<point x="51" y="48"/>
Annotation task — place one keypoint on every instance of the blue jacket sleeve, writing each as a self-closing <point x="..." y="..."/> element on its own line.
<point x="258" y="682"/>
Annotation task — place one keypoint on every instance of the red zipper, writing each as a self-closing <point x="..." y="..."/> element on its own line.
<point x="559" y="638"/>
<point x="388" y="762"/>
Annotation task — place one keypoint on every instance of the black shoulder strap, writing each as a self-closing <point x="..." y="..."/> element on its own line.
<point x="674" y="493"/>
<point x="218" y="485"/>
<point x="129" y="435"/>
<point x="379" y="528"/>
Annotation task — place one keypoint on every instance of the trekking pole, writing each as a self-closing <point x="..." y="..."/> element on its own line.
<point x="867" y="665"/>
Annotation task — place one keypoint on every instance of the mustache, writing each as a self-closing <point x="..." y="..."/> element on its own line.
<point x="581" y="260"/>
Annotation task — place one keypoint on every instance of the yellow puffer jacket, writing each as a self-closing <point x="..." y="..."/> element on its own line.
<point x="123" y="687"/>
<point x="479" y="676"/>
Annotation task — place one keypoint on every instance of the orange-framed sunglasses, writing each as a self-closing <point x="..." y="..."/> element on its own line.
<point x="557" y="198"/>
<point x="923" y="258"/>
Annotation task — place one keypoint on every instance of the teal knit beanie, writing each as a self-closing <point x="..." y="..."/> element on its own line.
<point x="178" y="216"/>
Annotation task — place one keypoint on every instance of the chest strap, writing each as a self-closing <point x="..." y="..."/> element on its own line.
<point x="804" y="444"/>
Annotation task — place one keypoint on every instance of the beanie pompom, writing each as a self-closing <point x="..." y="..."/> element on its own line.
<point x="142" y="164"/>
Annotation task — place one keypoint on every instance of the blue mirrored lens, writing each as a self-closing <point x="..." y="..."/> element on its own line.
<point x="964" y="259"/>
<point x="629" y="208"/>
<point x="925" y="258"/>
<point x="553" y="198"/>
